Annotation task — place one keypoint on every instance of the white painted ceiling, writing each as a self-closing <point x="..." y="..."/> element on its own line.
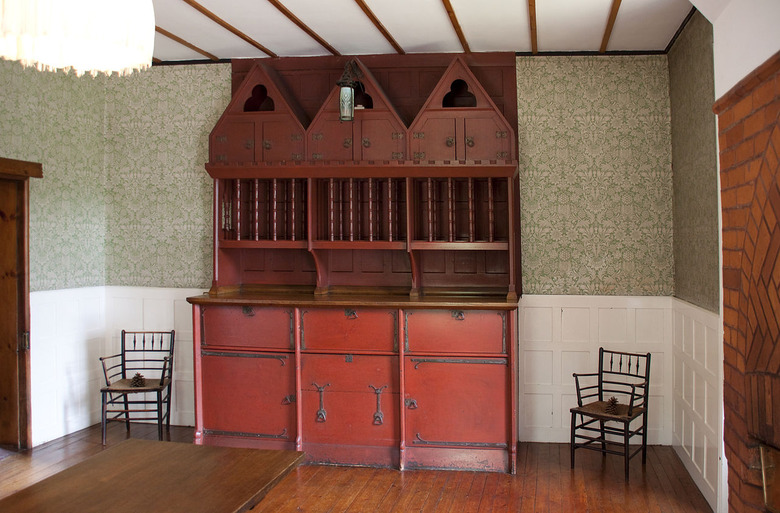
<point x="416" y="25"/>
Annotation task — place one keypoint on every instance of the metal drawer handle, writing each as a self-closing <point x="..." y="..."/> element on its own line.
<point x="379" y="417"/>
<point x="322" y="415"/>
<point x="411" y="404"/>
<point x="459" y="315"/>
<point x="350" y="314"/>
<point x="248" y="311"/>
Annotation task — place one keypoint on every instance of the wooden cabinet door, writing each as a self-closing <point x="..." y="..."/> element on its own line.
<point x="339" y="394"/>
<point x="249" y="394"/>
<point x="436" y="139"/>
<point x="234" y="141"/>
<point x="379" y="139"/>
<point x="281" y="140"/>
<point x="457" y="402"/>
<point x="332" y="140"/>
<point x="486" y="138"/>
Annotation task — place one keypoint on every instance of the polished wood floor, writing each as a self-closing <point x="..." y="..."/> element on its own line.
<point x="544" y="481"/>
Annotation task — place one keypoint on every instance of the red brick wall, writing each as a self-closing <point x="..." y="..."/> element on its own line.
<point x="749" y="137"/>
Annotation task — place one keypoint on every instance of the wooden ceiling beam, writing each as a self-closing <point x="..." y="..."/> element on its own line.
<point x="456" y="25"/>
<point x="380" y="27"/>
<point x="230" y="28"/>
<point x="532" y="23"/>
<point x="185" y="43"/>
<point x="610" y="24"/>
<point x="301" y="25"/>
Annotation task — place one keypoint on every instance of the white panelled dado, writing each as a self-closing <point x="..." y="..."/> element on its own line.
<point x="697" y="395"/>
<point x="67" y="334"/>
<point x="560" y="335"/>
<point x="71" y="328"/>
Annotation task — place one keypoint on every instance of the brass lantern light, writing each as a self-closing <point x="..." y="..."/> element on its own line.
<point x="347" y="84"/>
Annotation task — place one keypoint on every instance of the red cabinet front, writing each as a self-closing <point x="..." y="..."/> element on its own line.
<point x="249" y="394"/>
<point x="436" y="138"/>
<point x="486" y="137"/>
<point x="282" y="140"/>
<point x="247" y="327"/>
<point x="455" y="331"/>
<point x="331" y="139"/>
<point x="350" y="329"/>
<point x="350" y="399"/>
<point x="458" y="402"/>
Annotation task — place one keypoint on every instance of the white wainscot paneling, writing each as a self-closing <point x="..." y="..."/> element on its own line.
<point x="697" y="397"/>
<point x="70" y="329"/>
<point x="66" y="337"/>
<point x="559" y="335"/>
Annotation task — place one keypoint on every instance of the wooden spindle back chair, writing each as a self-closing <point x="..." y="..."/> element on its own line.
<point x="149" y="354"/>
<point x="617" y="394"/>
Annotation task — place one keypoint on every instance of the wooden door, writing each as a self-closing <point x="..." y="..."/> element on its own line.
<point x="234" y="141"/>
<point x="486" y="137"/>
<point x="282" y="140"/>
<point x="436" y="139"/>
<point x="14" y="304"/>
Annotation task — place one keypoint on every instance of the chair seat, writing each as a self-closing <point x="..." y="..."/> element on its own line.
<point x="598" y="409"/>
<point x="124" y="386"/>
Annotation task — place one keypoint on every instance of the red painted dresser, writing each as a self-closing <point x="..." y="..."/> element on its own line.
<point x="366" y="273"/>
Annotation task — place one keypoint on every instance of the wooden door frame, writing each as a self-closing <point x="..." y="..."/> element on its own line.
<point x="21" y="171"/>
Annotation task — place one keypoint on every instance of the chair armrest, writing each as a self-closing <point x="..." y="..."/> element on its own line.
<point x="166" y="362"/>
<point x="577" y="377"/>
<point x="642" y="384"/>
<point x="103" y="360"/>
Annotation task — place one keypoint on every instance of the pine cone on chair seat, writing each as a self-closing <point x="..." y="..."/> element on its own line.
<point x="138" y="380"/>
<point x="611" y="406"/>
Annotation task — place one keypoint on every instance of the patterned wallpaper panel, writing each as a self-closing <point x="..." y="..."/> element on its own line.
<point x="159" y="202"/>
<point x="595" y="175"/>
<point x="57" y="119"/>
<point x="694" y="155"/>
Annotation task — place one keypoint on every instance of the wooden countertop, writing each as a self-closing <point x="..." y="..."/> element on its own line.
<point x="308" y="300"/>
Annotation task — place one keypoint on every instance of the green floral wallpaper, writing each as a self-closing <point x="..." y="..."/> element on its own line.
<point x="694" y="157"/>
<point x="595" y="175"/>
<point x="125" y="199"/>
<point x="57" y="119"/>
<point x="159" y="203"/>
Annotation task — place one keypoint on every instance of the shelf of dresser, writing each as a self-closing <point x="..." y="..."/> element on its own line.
<point x="365" y="169"/>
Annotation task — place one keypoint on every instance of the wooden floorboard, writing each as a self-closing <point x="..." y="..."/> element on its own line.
<point x="544" y="481"/>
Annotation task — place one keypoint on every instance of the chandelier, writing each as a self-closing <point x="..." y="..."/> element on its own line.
<point x="85" y="36"/>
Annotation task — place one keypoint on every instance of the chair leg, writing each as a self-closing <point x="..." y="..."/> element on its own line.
<point x="159" y="415"/>
<point x="571" y="448"/>
<point x="644" y="438"/>
<point x="103" y="416"/>
<point x="626" y="452"/>
<point x="168" y="410"/>
<point x="603" y="439"/>
<point x="127" y="413"/>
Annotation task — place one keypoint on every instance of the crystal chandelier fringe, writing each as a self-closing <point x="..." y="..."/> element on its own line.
<point x="86" y="36"/>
